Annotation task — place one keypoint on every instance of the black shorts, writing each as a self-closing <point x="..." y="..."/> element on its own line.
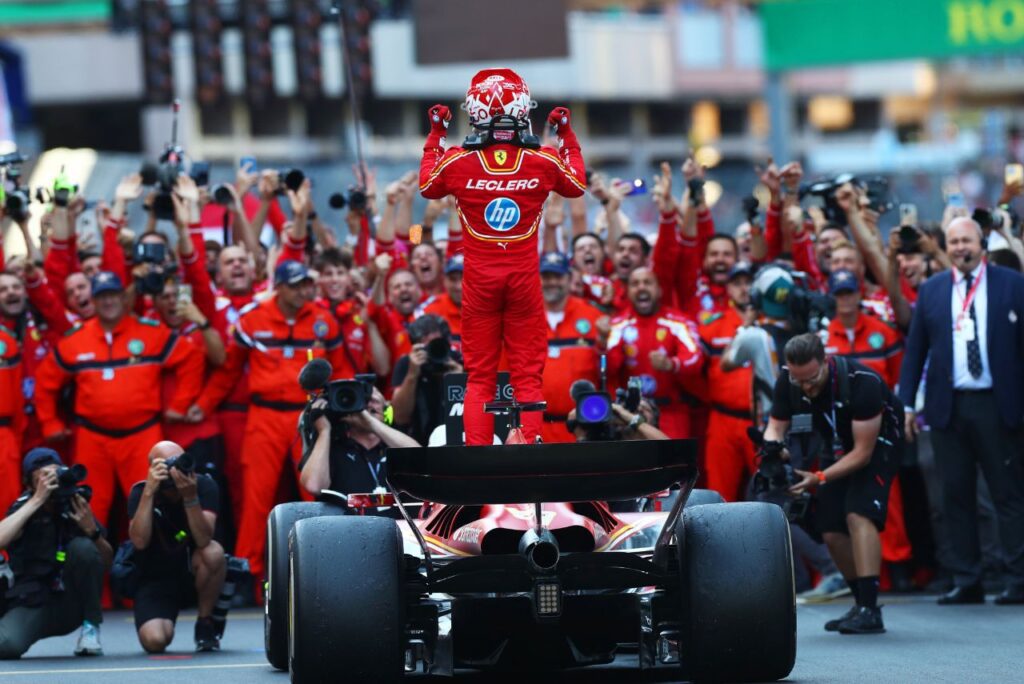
<point x="162" y="597"/>
<point x="865" y="492"/>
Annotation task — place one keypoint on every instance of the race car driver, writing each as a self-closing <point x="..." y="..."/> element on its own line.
<point x="500" y="180"/>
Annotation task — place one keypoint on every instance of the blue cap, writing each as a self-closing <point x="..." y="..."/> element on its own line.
<point x="554" y="262"/>
<point x="843" y="281"/>
<point x="290" y="272"/>
<point x="105" y="281"/>
<point x="741" y="268"/>
<point x="38" y="458"/>
<point x="455" y="264"/>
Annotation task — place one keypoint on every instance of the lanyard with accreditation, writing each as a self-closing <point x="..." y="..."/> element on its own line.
<point x="966" y="332"/>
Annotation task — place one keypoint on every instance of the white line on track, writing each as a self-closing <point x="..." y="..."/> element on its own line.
<point x="89" y="670"/>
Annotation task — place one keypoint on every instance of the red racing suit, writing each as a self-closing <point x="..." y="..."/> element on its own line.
<point x="500" y="191"/>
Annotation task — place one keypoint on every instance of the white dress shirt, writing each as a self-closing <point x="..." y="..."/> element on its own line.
<point x="962" y="378"/>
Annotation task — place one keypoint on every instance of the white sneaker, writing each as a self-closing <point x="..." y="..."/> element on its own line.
<point x="830" y="587"/>
<point x="89" y="640"/>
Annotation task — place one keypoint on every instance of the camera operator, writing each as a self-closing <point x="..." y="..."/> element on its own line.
<point x="857" y="418"/>
<point x="58" y="555"/>
<point x="349" y="457"/>
<point x="418" y="377"/>
<point x="173" y="513"/>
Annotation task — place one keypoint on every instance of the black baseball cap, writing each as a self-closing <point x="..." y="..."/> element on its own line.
<point x="291" y="272"/>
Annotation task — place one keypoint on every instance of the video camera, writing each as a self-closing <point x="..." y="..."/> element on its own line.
<point x="594" y="412"/>
<point x="344" y="397"/>
<point x="164" y="174"/>
<point x="355" y="200"/>
<point x="876" y="188"/>
<point x="783" y="294"/>
<point x="60" y="193"/>
<point x="773" y="479"/>
<point x="69" y="484"/>
<point x="14" y="197"/>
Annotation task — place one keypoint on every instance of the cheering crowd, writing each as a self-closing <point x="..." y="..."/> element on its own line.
<point x="109" y="346"/>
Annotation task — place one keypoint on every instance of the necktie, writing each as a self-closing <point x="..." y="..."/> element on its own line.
<point x="973" y="349"/>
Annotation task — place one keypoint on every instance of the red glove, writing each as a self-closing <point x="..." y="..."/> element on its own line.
<point x="560" y="119"/>
<point x="439" y="117"/>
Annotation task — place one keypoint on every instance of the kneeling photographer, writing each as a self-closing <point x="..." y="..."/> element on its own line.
<point x="173" y="513"/>
<point x="57" y="556"/>
<point x="418" y="377"/>
<point x="857" y="422"/>
<point x="349" y="451"/>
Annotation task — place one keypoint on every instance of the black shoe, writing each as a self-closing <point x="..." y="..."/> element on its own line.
<point x="1011" y="597"/>
<point x="963" y="595"/>
<point x="833" y="625"/>
<point x="206" y="635"/>
<point x="863" y="621"/>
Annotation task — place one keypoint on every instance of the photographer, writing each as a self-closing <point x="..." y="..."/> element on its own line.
<point x="623" y="425"/>
<point x="418" y="377"/>
<point x="173" y="514"/>
<point x="58" y="555"/>
<point x="354" y="462"/>
<point x="857" y="420"/>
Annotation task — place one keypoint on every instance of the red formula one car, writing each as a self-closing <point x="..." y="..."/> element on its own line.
<point x="492" y="575"/>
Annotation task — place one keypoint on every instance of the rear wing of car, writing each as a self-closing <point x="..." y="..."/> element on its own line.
<point x="537" y="473"/>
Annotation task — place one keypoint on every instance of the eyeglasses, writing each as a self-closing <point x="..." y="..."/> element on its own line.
<point x="809" y="382"/>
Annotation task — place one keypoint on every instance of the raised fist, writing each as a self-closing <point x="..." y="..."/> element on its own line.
<point x="439" y="117"/>
<point x="560" y="119"/>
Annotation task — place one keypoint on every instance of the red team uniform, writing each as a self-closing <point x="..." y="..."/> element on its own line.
<point x="500" y="190"/>
<point x="633" y="338"/>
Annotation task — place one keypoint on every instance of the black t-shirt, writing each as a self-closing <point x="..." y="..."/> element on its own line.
<point x="428" y="412"/>
<point x="868" y="397"/>
<point x="171" y="538"/>
<point x="355" y="469"/>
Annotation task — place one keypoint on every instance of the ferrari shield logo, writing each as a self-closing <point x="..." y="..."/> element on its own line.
<point x="501" y="156"/>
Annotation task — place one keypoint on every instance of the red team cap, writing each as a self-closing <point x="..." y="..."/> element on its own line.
<point x="493" y="92"/>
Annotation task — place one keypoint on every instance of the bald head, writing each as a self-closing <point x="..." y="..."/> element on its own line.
<point x="963" y="243"/>
<point x="165" y="450"/>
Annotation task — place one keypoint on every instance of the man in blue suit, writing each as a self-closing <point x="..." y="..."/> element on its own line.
<point x="969" y="326"/>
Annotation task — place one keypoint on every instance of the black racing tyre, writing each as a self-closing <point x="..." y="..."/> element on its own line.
<point x="739" y="604"/>
<point x="275" y="604"/>
<point x="346" y="601"/>
<point x="702" y="497"/>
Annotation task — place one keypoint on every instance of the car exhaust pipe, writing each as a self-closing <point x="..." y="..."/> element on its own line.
<point x="541" y="550"/>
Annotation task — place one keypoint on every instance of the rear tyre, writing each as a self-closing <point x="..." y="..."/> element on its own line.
<point x="275" y="604"/>
<point x="739" y="604"/>
<point x="702" y="497"/>
<point x="346" y="601"/>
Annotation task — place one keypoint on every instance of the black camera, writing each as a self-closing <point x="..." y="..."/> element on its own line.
<point x="750" y="208"/>
<point x="346" y="397"/>
<point x="183" y="463"/>
<point x="595" y="412"/>
<point x="15" y="198"/>
<point x="696" y="188"/>
<point x="876" y="189"/>
<point x="69" y="484"/>
<point x="629" y="398"/>
<point x="154" y="254"/>
<point x="773" y="479"/>
<point x="439" y="350"/>
<point x="289" y="179"/>
<point x="164" y="174"/>
<point x="356" y="199"/>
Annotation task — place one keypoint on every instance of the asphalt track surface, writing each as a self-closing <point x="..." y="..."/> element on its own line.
<point x="925" y="643"/>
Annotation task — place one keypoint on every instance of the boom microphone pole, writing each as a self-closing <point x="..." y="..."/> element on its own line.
<point x="352" y="99"/>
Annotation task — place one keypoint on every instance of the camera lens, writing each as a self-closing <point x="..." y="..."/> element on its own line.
<point x="595" y="408"/>
<point x="293" y="179"/>
<point x="337" y="201"/>
<point x="438" y="350"/>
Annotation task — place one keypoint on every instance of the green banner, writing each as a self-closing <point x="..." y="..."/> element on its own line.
<point x="809" y="33"/>
<point x="53" y="12"/>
